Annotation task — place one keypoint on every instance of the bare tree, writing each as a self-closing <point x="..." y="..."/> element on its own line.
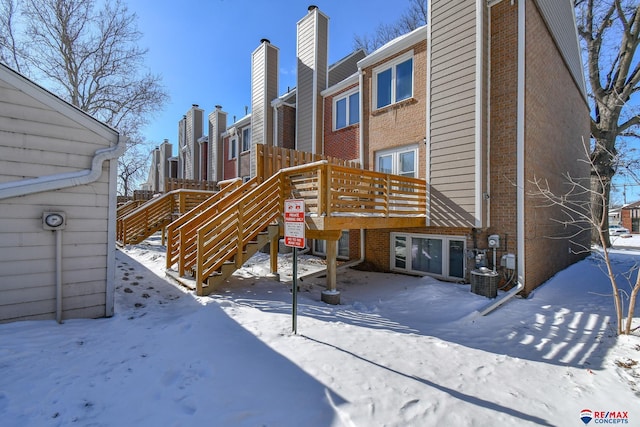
<point x="610" y="32"/>
<point x="87" y="52"/>
<point x="578" y="214"/>
<point x="415" y="16"/>
<point x="131" y="168"/>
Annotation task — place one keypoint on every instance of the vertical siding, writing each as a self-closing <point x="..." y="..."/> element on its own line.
<point x="453" y="103"/>
<point x="264" y="89"/>
<point x="344" y="68"/>
<point x="560" y="19"/>
<point x="36" y="139"/>
<point x="217" y="125"/>
<point x="312" y="48"/>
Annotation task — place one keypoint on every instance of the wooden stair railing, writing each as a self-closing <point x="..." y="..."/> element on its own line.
<point x="181" y="233"/>
<point x="329" y="191"/>
<point x="226" y="235"/>
<point x="152" y="216"/>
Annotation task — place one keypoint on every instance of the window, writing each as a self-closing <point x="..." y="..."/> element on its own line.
<point x="233" y="148"/>
<point x="246" y="139"/>
<point x="320" y="246"/>
<point x="394" y="81"/>
<point x="346" y="110"/>
<point x="441" y="256"/>
<point x="398" y="161"/>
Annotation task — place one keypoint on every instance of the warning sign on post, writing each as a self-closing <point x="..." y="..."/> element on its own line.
<point x="294" y="223"/>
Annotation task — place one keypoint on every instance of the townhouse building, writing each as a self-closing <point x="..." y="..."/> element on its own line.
<point x="481" y="102"/>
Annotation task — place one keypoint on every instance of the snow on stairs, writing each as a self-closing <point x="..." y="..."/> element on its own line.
<point x="214" y="281"/>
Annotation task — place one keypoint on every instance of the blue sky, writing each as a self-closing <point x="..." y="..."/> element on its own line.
<point x="202" y="49"/>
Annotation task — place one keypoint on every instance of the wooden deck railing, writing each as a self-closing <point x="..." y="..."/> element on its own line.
<point x="330" y="191"/>
<point x="226" y="234"/>
<point x="128" y="207"/>
<point x="181" y="233"/>
<point x="155" y="214"/>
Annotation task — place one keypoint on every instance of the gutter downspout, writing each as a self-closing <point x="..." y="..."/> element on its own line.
<point x="520" y="152"/>
<point x="506" y="297"/>
<point x="63" y="180"/>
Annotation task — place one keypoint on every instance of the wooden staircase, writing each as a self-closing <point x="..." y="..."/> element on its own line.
<point x="154" y="215"/>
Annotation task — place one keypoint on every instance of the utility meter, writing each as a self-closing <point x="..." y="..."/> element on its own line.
<point x="494" y="241"/>
<point x="53" y="220"/>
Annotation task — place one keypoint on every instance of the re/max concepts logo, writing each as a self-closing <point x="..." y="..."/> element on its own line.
<point x="604" y="417"/>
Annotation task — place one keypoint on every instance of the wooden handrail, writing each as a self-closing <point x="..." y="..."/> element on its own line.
<point x="181" y="247"/>
<point x="156" y="213"/>
<point x="328" y="189"/>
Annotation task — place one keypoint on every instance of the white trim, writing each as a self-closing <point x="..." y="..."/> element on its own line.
<point x="360" y="128"/>
<point x="428" y="123"/>
<point x="445" y="254"/>
<point x="314" y="93"/>
<point x="392" y="65"/>
<point x="396" y="45"/>
<point x="111" y="239"/>
<point x="346" y="96"/>
<point x="233" y="142"/>
<point x="349" y="81"/>
<point x="479" y="214"/>
<point x="520" y="142"/>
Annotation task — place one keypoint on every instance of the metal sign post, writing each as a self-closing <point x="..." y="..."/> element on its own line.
<point x="294" y="237"/>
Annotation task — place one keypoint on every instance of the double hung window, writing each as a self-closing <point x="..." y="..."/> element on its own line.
<point x="394" y="81"/>
<point x="346" y="110"/>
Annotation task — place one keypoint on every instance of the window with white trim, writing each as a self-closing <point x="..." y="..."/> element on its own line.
<point x="246" y="139"/>
<point x="320" y="246"/>
<point x="233" y="148"/>
<point x="440" y="256"/>
<point x="393" y="81"/>
<point x="398" y="161"/>
<point x="346" y="110"/>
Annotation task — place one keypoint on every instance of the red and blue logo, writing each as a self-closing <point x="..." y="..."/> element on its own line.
<point x="586" y="416"/>
<point x="604" y="417"/>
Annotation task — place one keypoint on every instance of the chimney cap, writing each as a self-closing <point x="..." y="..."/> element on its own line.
<point x="195" y="105"/>
<point x="265" y="41"/>
<point x="218" y="107"/>
<point x="312" y="7"/>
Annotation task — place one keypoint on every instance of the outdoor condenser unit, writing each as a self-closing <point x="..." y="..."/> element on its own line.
<point x="484" y="282"/>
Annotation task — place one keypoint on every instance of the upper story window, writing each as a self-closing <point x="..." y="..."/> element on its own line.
<point x="246" y="139"/>
<point x="233" y="148"/>
<point x="394" y="81"/>
<point x="346" y="110"/>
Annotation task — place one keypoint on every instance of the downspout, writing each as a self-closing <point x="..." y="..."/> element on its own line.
<point x="520" y="178"/>
<point x="66" y="180"/>
<point x="63" y="180"/>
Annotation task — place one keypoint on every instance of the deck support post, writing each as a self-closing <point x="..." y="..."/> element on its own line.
<point x="331" y="295"/>
<point x="273" y="256"/>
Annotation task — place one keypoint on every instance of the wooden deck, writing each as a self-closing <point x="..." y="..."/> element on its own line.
<point x="217" y="234"/>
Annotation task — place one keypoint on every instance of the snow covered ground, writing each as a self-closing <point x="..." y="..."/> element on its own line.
<point x="398" y="351"/>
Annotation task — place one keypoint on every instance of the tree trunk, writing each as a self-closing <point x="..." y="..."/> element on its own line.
<point x="602" y="171"/>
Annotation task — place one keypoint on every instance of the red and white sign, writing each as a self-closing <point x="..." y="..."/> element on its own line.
<point x="294" y="223"/>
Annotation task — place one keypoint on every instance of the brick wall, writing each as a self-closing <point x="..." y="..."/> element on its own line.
<point x="342" y="143"/>
<point x="399" y="124"/>
<point x="503" y="130"/>
<point x="557" y="123"/>
<point x="286" y="127"/>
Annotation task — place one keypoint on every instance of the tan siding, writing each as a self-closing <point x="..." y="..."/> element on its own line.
<point x="559" y="15"/>
<point x="37" y="140"/>
<point x="453" y="109"/>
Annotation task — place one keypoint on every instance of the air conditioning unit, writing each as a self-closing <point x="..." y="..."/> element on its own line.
<point x="484" y="282"/>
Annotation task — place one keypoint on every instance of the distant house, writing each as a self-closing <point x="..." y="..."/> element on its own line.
<point x="630" y="217"/>
<point x="57" y="206"/>
<point x="480" y="102"/>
